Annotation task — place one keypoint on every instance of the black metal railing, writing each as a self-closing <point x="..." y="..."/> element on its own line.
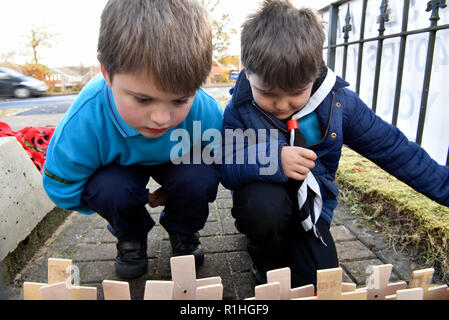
<point x="433" y="6"/>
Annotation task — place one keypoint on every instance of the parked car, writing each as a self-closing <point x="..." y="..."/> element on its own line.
<point x="234" y="74"/>
<point x="15" y="84"/>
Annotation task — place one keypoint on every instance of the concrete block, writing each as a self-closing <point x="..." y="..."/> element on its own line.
<point x="23" y="201"/>
<point x="353" y="250"/>
<point x="341" y="233"/>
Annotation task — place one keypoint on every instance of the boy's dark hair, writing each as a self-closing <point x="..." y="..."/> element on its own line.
<point x="169" y="39"/>
<point x="283" y="45"/>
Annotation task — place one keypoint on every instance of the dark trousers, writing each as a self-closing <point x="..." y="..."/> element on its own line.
<point x="119" y="195"/>
<point x="265" y="213"/>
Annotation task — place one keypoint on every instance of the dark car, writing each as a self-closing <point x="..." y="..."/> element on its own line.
<point x="15" y="84"/>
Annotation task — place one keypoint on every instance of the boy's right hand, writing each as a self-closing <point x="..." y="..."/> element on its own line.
<point x="297" y="162"/>
<point x="158" y="198"/>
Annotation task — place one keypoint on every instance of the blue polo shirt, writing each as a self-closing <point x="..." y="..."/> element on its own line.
<point x="92" y="134"/>
<point x="310" y="128"/>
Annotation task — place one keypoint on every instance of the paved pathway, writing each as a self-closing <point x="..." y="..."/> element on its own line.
<point x="86" y="240"/>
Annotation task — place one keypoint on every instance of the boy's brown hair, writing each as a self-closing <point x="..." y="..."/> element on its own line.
<point x="169" y="39"/>
<point x="283" y="45"/>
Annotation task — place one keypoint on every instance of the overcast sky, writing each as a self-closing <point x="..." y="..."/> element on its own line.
<point x="75" y="25"/>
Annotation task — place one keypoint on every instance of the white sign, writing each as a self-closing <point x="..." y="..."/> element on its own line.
<point x="436" y="129"/>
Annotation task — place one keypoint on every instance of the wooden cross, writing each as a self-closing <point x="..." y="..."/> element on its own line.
<point x="55" y="291"/>
<point x="407" y="294"/>
<point x="269" y="291"/>
<point x="210" y="292"/>
<point x="331" y="287"/>
<point x="59" y="270"/>
<point x="116" y="290"/>
<point x="185" y="282"/>
<point x="377" y="283"/>
<point x="163" y="290"/>
<point x="31" y="290"/>
<point x="59" y="286"/>
<point x="158" y="290"/>
<point x="423" y="279"/>
<point x="184" y="285"/>
<point x="283" y="276"/>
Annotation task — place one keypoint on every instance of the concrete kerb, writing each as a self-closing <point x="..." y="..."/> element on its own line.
<point x="24" y="225"/>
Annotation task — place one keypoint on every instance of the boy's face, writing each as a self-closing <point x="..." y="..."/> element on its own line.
<point x="276" y="101"/>
<point x="144" y="107"/>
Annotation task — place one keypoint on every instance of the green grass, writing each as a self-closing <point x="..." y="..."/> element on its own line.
<point x="412" y="222"/>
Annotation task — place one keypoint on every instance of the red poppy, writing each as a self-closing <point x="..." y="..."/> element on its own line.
<point x="30" y="135"/>
<point x="5" y="130"/>
<point x="38" y="159"/>
<point x="24" y="130"/>
<point x="40" y="141"/>
<point x="34" y="140"/>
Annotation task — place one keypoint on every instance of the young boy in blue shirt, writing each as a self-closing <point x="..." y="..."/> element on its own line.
<point x="154" y="55"/>
<point x="286" y="209"/>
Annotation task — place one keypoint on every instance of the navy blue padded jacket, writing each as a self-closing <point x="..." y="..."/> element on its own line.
<point x="344" y="119"/>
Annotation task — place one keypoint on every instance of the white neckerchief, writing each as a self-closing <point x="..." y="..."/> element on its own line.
<point x="310" y="180"/>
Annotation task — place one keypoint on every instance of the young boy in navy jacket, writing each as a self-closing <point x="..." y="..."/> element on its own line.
<point x="285" y="206"/>
<point x="154" y="56"/>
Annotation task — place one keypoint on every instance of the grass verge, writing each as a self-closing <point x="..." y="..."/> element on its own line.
<point x="412" y="222"/>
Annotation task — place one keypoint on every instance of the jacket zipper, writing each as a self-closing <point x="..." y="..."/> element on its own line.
<point x="328" y="124"/>
<point x="269" y="118"/>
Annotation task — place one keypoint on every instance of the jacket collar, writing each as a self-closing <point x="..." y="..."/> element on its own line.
<point x="242" y="93"/>
<point x="320" y="91"/>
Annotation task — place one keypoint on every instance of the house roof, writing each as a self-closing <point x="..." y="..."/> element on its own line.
<point x="66" y="71"/>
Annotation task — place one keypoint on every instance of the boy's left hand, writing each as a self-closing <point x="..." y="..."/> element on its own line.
<point x="157" y="198"/>
<point x="297" y="162"/>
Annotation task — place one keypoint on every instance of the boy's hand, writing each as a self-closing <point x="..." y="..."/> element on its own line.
<point x="158" y="198"/>
<point x="297" y="162"/>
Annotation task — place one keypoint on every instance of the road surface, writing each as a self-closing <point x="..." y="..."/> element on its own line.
<point x="60" y="104"/>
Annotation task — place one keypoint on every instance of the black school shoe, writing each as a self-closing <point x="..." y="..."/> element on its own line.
<point x="132" y="259"/>
<point x="187" y="244"/>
